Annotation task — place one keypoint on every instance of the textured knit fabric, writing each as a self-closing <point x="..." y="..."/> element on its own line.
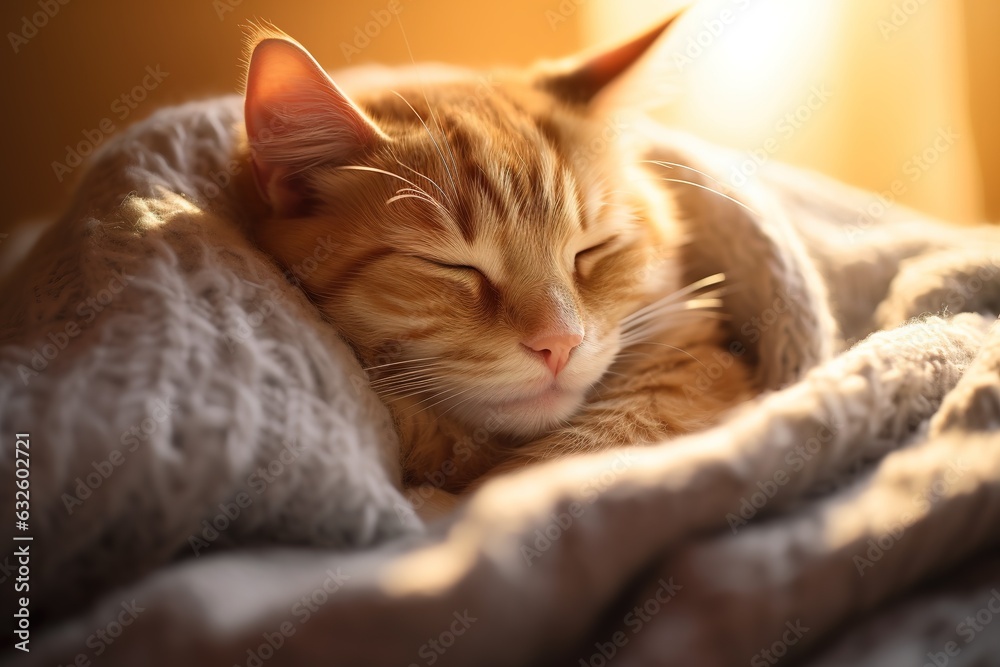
<point x="803" y="526"/>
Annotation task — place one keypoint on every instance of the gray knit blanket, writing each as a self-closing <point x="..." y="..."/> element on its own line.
<point x="212" y="481"/>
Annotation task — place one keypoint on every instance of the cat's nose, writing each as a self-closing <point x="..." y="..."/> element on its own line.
<point x="555" y="349"/>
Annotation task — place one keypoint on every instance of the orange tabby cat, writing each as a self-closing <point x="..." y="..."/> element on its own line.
<point x="524" y="286"/>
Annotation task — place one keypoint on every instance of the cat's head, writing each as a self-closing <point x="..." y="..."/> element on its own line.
<point x="479" y="236"/>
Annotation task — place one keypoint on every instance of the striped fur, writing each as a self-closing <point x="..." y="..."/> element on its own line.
<point x="472" y="219"/>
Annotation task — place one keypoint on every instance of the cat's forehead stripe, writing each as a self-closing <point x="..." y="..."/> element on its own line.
<point x="581" y="203"/>
<point x="512" y="199"/>
<point x="501" y="181"/>
<point x="488" y="189"/>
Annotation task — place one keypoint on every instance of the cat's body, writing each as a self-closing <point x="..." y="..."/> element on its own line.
<point x="510" y="276"/>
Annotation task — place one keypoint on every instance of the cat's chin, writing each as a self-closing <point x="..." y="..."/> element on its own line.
<point x="532" y="411"/>
<point x="529" y="416"/>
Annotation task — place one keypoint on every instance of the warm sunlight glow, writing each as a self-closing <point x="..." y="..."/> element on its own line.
<point x="859" y="91"/>
<point x="503" y="506"/>
<point x="752" y="67"/>
<point x="428" y="571"/>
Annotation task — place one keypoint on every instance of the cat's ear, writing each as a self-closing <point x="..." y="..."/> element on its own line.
<point x="297" y="118"/>
<point x="578" y="79"/>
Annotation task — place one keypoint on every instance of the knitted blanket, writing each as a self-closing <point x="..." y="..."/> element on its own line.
<point x="212" y="482"/>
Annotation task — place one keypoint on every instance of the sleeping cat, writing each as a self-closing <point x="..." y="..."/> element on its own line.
<point x="514" y="293"/>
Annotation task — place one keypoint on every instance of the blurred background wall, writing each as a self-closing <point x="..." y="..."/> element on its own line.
<point x="869" y="91"/>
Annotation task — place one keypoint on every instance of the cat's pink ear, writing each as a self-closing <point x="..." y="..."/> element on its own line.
<point x="578" y="79"/>
<point x="297" y="118"/>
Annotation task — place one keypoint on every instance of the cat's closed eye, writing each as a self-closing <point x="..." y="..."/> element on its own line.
<point x="468" y="268"/>
<point x="585" y="259"/>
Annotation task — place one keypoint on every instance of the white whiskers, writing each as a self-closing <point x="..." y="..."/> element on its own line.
<point x="437" y="146"/>
<point x="451" y="393"/>
<point x="690" y="302"/>
<point x="427" y="178"/>
<point x="425" y="379"/>
<point x="376" y="170"/>
<point x="673" y="165"/>
<point x="412" y="192"/>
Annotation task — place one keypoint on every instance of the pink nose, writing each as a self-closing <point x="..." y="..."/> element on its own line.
<point x="555" y="348"/>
